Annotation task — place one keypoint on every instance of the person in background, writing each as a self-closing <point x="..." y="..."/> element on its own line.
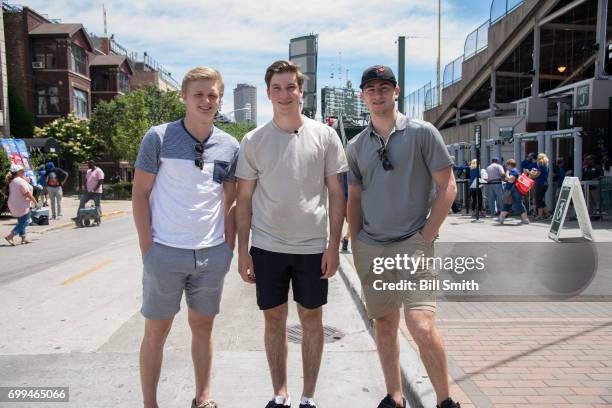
<point x="529" y="162"/>
<point x="55" y="180"/>
<point x="42" y="181"/>
<point x="494" y="187"/>
<point x="513" y="200"/>
<point x="93" y="186"/>
<point x="475" y="189"/>
<point x="540" y="175"/>
<point x="592" y="171"/>
<point x="19" y="200"/>
<point x="345" y="238"/>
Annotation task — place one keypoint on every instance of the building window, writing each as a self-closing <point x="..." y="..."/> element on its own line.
<point x="81" y="103"/>
<point x="44" y="55"/>
<point x="47" y="101"/>
<point x="78" y="60"/>
<point x="124" y="82"/>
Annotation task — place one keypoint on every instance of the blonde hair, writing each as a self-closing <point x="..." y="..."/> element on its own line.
<point x="511" y="162"/>
<point x="473" y="164"/>
<point x="543" y="159"/>
<point x="203" y="74"/>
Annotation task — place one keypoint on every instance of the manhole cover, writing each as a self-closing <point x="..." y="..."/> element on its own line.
<point x="330" y="334"/>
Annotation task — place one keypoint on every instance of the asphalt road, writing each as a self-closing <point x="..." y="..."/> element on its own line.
<point x="70" y="304"/>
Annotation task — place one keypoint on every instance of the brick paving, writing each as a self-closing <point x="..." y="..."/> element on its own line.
<point x="529" y="354"/>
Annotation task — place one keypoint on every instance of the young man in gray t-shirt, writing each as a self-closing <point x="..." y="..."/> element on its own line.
<point x="286" y="170"/>
<point x="395" y="164"/>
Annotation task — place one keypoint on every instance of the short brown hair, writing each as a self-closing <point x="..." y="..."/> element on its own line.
<point x="282" y="66"/>
<point x="511" y="162"/>
<point x="203" y="74"/>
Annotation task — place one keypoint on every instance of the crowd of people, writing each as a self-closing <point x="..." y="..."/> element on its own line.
<point x="27" y="194"/>
<point x="493" y="192"/>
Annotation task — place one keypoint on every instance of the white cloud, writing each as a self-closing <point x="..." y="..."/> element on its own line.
<point x="241" y="38"/>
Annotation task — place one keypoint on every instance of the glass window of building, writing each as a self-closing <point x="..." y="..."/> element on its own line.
<point x="78" y="60"/>
<point x="81" y="103"/>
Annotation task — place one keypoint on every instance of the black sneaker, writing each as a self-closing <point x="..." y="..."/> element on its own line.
<point x="449" y="403"/>
<point x="307" y="406"/>
<point x="273" y="404"/>
<point x="344" y="244"/>
<point x="388" y="402"/>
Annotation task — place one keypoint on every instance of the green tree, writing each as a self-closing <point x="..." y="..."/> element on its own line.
<point x="22" y="121"/>
<point x="238" y="130"/>
<point x="122" y="122"/>
<point x="77" y="143"/>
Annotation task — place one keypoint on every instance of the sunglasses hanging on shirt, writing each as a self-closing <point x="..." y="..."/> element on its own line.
<point x="382" y="155"/>
<point x="199" y="149"/>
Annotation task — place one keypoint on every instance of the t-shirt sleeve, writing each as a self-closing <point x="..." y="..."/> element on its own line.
<point x="335" y="158"/>
<point x="246" y="168"/>
<point x="231" y="173"/>
<point x="100" y="174"/>
<point x="148" y="158"/>
<point x="433" y="148"/>
<point x="354" y="175"/>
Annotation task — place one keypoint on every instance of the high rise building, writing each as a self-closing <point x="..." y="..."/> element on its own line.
<point x="245" y="104"/>
<point x="303" y="51"/>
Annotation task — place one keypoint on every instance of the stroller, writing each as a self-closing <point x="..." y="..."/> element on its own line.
<point x="88" y="216"/>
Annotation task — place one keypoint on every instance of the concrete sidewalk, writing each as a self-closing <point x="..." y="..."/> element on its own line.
<point x="70" y="205"/>
<point x="515" y="354"/>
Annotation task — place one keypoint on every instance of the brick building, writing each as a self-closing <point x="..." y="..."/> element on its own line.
<point x="48" y="65"/>
<point x="110" y="76"/>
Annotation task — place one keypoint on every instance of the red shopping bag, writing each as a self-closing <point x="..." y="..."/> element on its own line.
<point x="524" y="184"/>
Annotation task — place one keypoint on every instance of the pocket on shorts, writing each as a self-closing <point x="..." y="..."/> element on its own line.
<point x="220" y="171"/>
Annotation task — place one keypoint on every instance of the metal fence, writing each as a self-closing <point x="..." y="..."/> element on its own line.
<point x="476" y="41"/>
<point x="424" y="98"/>
<point x="501" y="8"/>
<point x="452" y="72"/>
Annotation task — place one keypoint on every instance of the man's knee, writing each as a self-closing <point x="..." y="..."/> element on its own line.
<point x="156" y="332"/>
<point x="311" y="319"/>
<point x="200" y="324"/>
<point x="421" y="326"/>
<point x="276" y="318"/>
<point x="388" y="325"/>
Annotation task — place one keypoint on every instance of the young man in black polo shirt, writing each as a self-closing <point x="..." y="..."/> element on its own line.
<point x="395" y="163"/>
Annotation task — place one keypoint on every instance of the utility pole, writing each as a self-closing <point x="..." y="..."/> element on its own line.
<point x="439" y="52"/>
<point x="401" y="60"/>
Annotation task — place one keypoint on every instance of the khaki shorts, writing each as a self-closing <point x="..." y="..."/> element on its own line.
<point x="387" y="287"/>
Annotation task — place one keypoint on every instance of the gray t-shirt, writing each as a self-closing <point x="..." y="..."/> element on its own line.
<point x="395" y="203"/>
<point x="494" y="172"/>
<point x="186" y="202"/>
<point x="290" y="198"/>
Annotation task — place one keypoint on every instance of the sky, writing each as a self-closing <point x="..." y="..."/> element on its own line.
<point x="242" y="38"/>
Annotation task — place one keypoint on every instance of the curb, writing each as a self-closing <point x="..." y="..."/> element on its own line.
<point x="71" y="223"/>
<point x="418" y="390"/>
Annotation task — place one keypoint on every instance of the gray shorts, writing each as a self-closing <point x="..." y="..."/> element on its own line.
<point x="169" y="271"/>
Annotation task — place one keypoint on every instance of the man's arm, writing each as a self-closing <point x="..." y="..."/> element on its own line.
<point x="337" y="205"/>
<point x="354" y="215"/>
<point x="244" y="210"/>
<point x="229" y="204"/>
<point x="446" y="192"/>
<point x="141" y="190"/>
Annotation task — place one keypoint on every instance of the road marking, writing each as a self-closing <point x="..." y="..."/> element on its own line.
<point x="87" y="272"/>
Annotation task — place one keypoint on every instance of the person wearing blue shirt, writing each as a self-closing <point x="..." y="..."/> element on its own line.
<point x="42" y="181"/>
<point x="529" y="162"/>
<point x="513" y="200"/>
<point x="540" y="174"/>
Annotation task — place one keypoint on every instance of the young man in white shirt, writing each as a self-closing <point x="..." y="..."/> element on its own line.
<point x="183" y="199"/>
